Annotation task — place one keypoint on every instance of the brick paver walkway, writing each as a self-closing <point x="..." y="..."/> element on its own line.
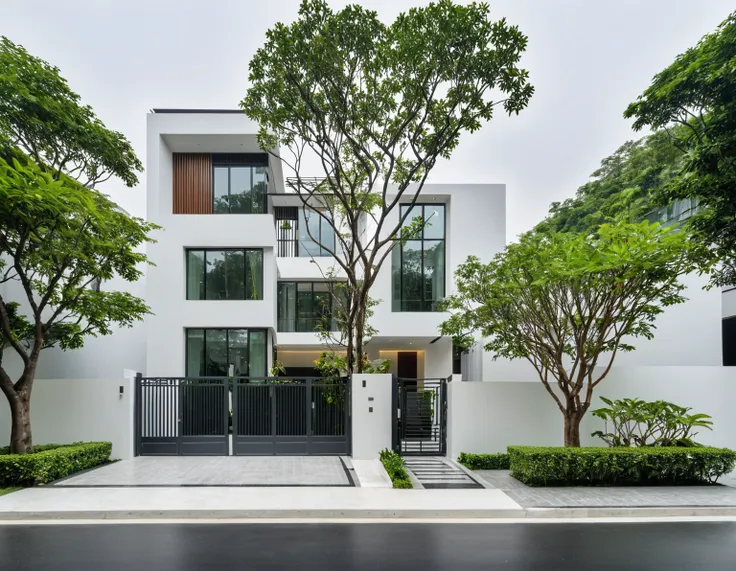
<point x="217" y="471"/>
<point x="660" y="496"/>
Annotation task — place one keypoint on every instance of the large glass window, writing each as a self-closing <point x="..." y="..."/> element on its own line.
<point x="215" y="352"/>
<point x="239" y="189"/>
<point x="225" y="274"/>
<point x="316" y="235"/>
<point x="303" y="306"/>
<point x="418" y="265"/>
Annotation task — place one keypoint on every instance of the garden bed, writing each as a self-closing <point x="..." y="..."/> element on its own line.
<point x="50" y="462"/>
<point x="396" y="469"/>
<point x="619" y="466"/>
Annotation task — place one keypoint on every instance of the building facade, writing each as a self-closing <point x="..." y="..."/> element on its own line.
<point x="239" y="281"/>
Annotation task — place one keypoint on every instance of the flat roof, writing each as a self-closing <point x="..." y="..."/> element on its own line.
<point x="158" y="110"/>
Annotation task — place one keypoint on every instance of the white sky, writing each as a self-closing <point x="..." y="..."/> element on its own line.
<point x="587" y="59"/>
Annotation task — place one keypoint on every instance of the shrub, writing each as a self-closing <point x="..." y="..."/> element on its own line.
<point x="635" y="422"/>
<point x="50" y="464"/>
<point x="498" y="461"/>
<point x="38" y="448"/>
<point x="619" y="466"/>
<point x="396" y="469"/>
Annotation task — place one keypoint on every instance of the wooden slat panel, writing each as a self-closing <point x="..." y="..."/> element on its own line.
<point x="192" y="183"/>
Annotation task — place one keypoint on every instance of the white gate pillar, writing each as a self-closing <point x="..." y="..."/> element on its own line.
<point x="371" y="415"/>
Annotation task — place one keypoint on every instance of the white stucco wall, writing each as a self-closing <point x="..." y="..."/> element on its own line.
<point x="166" y="281"/>
<point x="489" y="416"/>
<point x="72" y="410"/>
<point x="371" y="429"/>
<point x="475" y="225"/>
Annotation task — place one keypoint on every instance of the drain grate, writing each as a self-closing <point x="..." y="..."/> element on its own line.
<point x="436" y="473"/>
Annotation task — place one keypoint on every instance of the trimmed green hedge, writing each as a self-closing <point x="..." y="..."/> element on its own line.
<point x="38" y="448"/>
<point x="499" y="461"/>
<point x="50" y="464"/>
<point x="396" y="469"/>
<point x="537" y="466"/>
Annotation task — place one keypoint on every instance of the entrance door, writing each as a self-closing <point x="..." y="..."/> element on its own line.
<point x="407" y="365"/>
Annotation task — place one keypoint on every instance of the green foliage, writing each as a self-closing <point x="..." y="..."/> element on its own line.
<point x="42" y="467"/>
<point x="4" y="491"/>
<point x="542" y="466"/>
<point x="378" y="104"/>
<point x="697" y="94"/>
<point x="395" y="468"/>
<point x="565" y="300"/>
<point x="57" y="238"/>
<point x="635" y="422"/>
<point x="42" y="117"/>
<point x="499" y="461"/>
<point x="37" y="448"/>
<point x="332" y="365"/>
<point x="627" y="186"/>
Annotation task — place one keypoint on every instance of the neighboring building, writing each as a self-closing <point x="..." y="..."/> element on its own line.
<point x="237" y="281"/>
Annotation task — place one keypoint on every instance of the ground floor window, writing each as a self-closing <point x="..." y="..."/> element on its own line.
<point x="221" y="352"/>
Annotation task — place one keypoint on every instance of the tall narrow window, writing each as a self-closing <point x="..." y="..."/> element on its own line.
<point x="232" y="274"/>
<point x="218" y="352"/>
<point x="418" y="265"/>
<point x="316" y="235"/>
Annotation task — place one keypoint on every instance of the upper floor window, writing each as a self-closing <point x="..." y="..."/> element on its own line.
<point x="225" y="274"/>
<point x="305" y="306"/>
<point x="304" y="233"/>
<point x="221" y="183"/>
<point x="238" y="188"/>
<point x="418" y="265"/>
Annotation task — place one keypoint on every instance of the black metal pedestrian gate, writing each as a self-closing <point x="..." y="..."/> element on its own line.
<point x="420" y="420"/>
<point x="242" y="416"/>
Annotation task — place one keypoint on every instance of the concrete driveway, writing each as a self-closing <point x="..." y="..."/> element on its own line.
<point x="216" y="471"/>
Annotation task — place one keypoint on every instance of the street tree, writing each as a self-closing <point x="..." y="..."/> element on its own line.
<point x="41" y="117"/>
<point x="376" y="106"/>
<point x="57" y="238"/>
<point x="697" y="94"/>
<point x="570" y="302"/>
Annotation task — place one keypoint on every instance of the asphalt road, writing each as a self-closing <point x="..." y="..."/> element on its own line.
<point x="358" y="547"/>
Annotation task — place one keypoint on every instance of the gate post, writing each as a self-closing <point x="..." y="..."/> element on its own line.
<point x="137" y="414"/>
<point x="395" y="414"/>
<point x="372" y="417"/>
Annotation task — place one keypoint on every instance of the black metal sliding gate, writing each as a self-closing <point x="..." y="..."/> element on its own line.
<point x="421" y="417"/>
<point x="243" y="416"/>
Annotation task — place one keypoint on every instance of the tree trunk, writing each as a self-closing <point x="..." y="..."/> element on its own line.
<point x="21" y="439"/>
<point x="572" y="428"/>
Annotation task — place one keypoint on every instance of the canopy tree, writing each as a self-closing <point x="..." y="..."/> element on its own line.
<point x="376" y="106"/>
<point x="41" y="117"/>
<point x="57" y="238"/>
<point x="570" y="302"/>
<point x="697" y="92"/>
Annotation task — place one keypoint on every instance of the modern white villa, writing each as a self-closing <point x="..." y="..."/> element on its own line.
<point x="238" y="283"/>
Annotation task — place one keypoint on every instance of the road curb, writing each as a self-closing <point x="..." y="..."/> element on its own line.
<point x="529" y="513"/>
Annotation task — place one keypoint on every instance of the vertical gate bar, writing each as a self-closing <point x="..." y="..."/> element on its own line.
<point x="272" y="395"/>
<point x="309" y="399"/>
<point x="179" y="413"/>
<point x="235" y="415"/>
<point x="394" y="414"/>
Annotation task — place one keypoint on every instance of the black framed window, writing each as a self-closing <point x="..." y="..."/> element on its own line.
<point x="226" y="274"/>
<point x="217" y="352"/>
<point x="303" y="306"/>
<point x="418" y="265"/>
<point x="316" y="235"/>
<point x="239" y="183"/>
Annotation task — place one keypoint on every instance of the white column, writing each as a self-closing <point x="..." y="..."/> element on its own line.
<point x="371" y="413"/>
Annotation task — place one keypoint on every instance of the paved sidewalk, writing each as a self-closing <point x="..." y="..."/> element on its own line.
<point x="216" y="471"/>
<point x="56" y="502"/>
<point x="605" y="497"/>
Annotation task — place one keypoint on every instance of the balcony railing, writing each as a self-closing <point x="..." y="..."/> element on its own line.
<point x="302" y="324"/>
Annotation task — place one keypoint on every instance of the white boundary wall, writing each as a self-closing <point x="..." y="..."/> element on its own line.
<point x="371" y="415"/>
<point x="71" y="410"/>
<point x="489" y="416"/>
